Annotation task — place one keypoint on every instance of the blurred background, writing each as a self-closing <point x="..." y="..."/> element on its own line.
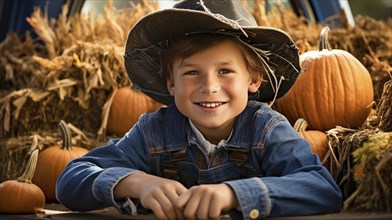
<point x="13" y="13"/>
<point x="378" y="9"/>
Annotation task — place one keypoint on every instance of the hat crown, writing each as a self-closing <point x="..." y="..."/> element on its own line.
<point x="230" y="9"/>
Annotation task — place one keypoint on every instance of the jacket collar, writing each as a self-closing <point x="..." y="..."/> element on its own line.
<point x="176" y="138"/>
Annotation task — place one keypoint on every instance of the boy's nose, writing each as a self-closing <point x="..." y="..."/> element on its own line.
<point x="209" y="84"/>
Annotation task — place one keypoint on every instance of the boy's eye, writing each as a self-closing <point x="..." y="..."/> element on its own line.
<point x="225" y="71"/>
<point x="191" y="73"/>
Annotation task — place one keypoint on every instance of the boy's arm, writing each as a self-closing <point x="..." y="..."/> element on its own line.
<point x="87" y="182"/>
<point x="295" y="182"/>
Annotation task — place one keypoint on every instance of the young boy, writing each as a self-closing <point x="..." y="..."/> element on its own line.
<point x="212" y="150"/>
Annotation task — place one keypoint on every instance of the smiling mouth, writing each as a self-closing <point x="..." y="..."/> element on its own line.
<point x="210" y="104"/>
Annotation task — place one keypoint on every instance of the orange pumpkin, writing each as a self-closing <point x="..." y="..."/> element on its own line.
<point x="127" y="106"/>
<point x="21" y="196"/>
<point x="53" y="160"/>
<point x="317" y="139"/>
<point x="335" y="90"/>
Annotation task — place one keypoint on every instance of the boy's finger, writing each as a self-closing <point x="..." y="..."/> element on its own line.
<point x="215" y="208"/>
<point x="182" y="200"/>
<point x="157" y="209"/>
<point x="173" y="197"/>
<point x="180" y="214"/>
<point x="204" y="206"/>
<point x="180" y="190"/>
<point x="167" y="205"/>
<point x="173" y="194"/>
<point x="192" y="206"/>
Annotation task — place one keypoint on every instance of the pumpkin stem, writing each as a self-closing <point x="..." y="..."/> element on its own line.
<point x="66" y="136"/>
<point x="300" y="125"/>
<point x="324" y="44"/>
<point x="28" y="173"/>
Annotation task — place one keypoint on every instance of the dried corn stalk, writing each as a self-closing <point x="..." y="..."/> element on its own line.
<point x="384" y="108"/>
<point x="342" y="142"/>
<point x="15" y="151"/>
<point x="17" y="69"/>
<point x="17" y="99"/>
<point x="58" y="35"/>
<point x="83" y="65"/>
<point x="70" y="77"/>
<point x="373" y="168"/>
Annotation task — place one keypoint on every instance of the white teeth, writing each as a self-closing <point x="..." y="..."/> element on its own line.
<point x="211" y="105"/>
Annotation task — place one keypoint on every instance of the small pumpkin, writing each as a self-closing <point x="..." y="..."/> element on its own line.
<point x="127" y="106"/>
<point x="21" y="196"/>
<point x="335" y="90"/>
<point x="317" y="139"/>
<point x="52" y="161"/>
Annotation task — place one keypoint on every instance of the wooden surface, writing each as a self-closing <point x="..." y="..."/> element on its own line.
<point x="56" y="211"/>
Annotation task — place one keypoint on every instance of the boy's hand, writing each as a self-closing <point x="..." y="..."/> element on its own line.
<point x="206" y="201"/>
<point x="155" y="193"/>
<point x="159" y="195"/>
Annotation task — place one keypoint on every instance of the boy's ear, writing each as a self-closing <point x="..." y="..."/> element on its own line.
<point x="170" y="87"/>
<point x="254" y="84"/>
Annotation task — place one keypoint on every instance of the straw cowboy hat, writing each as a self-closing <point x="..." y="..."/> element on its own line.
<point x="154" y="31"/>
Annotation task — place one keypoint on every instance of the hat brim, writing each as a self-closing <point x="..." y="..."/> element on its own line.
<point x="157" y="27"/>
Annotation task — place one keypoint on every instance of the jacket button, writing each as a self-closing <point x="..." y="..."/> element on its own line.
<point x="254" y="213"/>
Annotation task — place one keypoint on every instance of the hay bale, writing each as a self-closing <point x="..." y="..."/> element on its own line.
<point x="372" y="172"/>
<point x="384" y="108"/>
<point x="16" y="151"/>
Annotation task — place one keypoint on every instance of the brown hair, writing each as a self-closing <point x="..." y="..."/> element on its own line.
<point x="194" y="43"/>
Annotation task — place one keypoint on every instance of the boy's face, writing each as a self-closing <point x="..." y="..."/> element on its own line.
<point x="211" y="87"/>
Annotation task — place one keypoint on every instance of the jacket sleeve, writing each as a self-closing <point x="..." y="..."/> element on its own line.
<point x="294" y="182"/>
<point x="87" y="182"/>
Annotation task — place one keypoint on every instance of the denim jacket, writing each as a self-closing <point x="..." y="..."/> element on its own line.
<point x="268" y="165"/>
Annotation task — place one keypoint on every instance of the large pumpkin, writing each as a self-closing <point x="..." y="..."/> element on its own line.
<point x="21" y="196"/>
<point x="335" y="89"/>
<point x="127" y="106"/>
<point x="53" y="160"/>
